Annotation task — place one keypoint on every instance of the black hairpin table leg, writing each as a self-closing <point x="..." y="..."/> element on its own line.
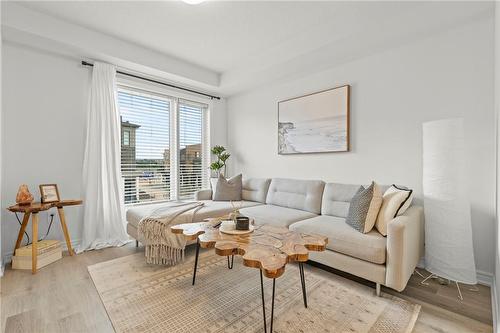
<point x="303" y="283"/>
<point x="196" y="259"/>
<point x="272" y="306"/>
<point x="264" y="303"/>
<point x="232" y="262"/>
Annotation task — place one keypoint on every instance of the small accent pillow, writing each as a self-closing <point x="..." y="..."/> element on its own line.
<point x="228" y="189"/>
<point x="396" y="201"/>
<point x="364" y="208"/>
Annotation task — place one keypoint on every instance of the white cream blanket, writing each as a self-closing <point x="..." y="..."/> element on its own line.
<point x="162" y="246"/>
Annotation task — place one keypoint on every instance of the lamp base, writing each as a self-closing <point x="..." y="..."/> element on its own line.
<point x="444" y="282"/>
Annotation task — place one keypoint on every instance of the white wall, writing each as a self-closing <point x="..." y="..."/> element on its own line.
<point x="43" y="133"/>
<point x="495" y="298"/>
<point x="393" y="92"/>
<point x="1" y="172"/>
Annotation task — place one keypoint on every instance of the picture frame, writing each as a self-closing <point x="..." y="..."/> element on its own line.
<point x="49" y="193"/>
<point x="318" y="122"/>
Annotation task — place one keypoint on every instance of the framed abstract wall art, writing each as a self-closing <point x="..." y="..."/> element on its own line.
<point x="314" y="123"/>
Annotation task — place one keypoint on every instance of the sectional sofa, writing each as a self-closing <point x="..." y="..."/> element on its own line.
<point x="313" y="206"/>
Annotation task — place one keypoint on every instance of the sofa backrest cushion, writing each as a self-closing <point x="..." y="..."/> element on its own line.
<point x="337" y="198"/>
<point x="298" y="194"/>
<point x="255" y="189"/>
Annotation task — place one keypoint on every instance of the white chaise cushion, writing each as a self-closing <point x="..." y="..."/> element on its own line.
<point x="344" y="239"/>
<point x="255" y="189"/>
<point x="299" y="194"/>
<point x="275" y="215"/>
<point x="211" y="209"/>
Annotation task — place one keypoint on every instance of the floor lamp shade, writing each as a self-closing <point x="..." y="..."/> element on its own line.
<point x="448" y="232"/>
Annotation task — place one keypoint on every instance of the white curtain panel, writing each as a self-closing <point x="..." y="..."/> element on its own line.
<point x="104" y="222"/>
<point x="449" y="251"/>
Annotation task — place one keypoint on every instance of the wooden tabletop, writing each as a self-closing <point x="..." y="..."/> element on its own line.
<point x="36" y="207"/>
<point x="268" y="248"/>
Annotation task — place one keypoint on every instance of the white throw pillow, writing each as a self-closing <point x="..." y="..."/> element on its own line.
<point x="396" y="201"/>
<point x="406" y="204"/>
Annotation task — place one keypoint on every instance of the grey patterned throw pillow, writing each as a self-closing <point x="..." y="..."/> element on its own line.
<point x="358" y="209"/>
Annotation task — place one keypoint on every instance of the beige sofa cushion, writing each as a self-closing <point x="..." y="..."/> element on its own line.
<point x="255" y="189"/>
<point x="344" y="239"/>
<point x="275" y="215"/>
<point x="294" y="193"/>
<point x="362" y="268"/>
<point x="337" y="198"/>
<point x="211" y="209"/>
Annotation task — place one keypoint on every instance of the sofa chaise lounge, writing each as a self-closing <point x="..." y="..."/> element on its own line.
<point x="313" y="206"/>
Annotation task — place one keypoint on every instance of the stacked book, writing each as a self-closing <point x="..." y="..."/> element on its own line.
<point x="48" y="252"/>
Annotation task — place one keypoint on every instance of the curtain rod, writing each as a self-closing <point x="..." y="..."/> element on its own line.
<point x="84" y="63"/>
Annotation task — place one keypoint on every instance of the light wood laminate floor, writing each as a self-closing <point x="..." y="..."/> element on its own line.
<point x="61" y="298"/>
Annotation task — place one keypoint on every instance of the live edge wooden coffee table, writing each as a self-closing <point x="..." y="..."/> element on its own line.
<point x="267" y="248"/>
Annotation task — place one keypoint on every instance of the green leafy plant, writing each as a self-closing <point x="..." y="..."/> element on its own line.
<point x="222" y="157"/>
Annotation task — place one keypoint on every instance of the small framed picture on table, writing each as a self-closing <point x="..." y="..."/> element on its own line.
<point x="49" y="193"/>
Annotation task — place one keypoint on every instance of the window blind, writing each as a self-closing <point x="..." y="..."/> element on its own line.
<point x="191" y="148"/>
<point x="164" y="146"/>
<point x="145" y="146"/>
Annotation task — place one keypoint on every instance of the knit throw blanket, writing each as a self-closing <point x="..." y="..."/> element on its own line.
<point x="161" y="245"/>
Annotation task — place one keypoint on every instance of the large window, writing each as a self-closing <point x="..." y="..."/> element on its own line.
<point x="191" y="148"/>
<point x="164" y="146"/>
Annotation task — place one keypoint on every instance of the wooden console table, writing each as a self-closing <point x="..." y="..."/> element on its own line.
<point x="33" y="209"/>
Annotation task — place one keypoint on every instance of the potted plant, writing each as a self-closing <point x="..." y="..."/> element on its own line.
<point x="222" y="157"/>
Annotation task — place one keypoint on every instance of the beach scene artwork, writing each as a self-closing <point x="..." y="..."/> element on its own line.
<point x="314" y="123"/>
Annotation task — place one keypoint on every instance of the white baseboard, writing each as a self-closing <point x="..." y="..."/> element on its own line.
<point x="484" y="278"/>
<point x="75" y="243"/>
<point x="494" y="307"/>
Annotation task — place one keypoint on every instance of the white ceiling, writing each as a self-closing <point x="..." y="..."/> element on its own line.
<point x="220" y="35"/>
<point x="241" y="40"/>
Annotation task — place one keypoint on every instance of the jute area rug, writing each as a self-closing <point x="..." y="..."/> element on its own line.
<point x="144" y="298"/>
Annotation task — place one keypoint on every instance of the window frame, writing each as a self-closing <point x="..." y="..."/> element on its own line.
<point x="126" y="136"/>
<point x="175" y="98"/>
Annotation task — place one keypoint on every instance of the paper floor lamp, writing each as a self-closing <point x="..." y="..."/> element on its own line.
<point x="449" y="251"/>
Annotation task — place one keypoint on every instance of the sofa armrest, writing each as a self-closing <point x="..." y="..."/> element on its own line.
<point x="203" y="195"/>
<point x="405" y="247"/>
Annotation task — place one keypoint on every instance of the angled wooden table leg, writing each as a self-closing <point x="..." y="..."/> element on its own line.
<point x="34" y="245"/>
<point x="26" y="219"/>
<point x="62" y="218"/>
